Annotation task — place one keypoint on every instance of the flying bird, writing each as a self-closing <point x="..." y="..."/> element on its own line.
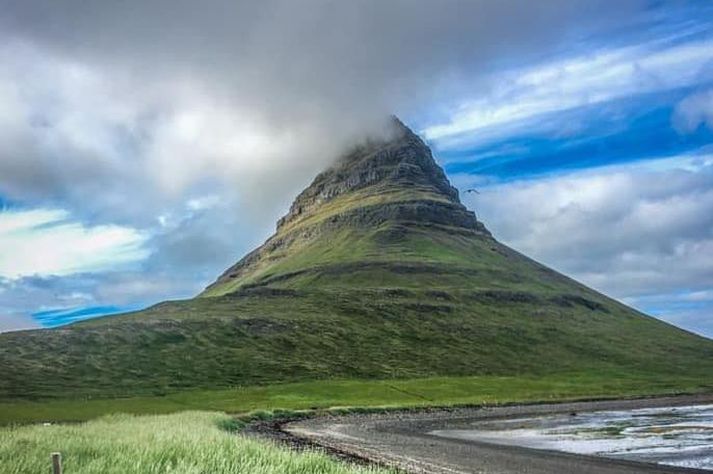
<point x="472" y="190"/>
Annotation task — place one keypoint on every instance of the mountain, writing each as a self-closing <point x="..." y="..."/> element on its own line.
<point x="377" y="271"/>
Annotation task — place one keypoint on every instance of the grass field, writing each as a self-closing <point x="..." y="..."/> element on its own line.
<point x="167" y="434"/>
<point x="189" y="442"/>
<point x="439" y="391"/>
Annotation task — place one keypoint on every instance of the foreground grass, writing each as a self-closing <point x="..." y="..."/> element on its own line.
<point x="439" y="391"/>
<point x="121" y="441"/>
<point x="190" y="442"/>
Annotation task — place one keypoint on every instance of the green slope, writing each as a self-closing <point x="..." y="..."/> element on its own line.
<point x="377" y="271"/>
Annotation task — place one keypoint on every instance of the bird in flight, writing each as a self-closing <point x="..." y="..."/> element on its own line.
<point x="472" y="190"/>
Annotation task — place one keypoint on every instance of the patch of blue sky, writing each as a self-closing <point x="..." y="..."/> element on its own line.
<point x="662" y="25"/>
<point x="6" y="203"/>
<point x="617" y="132"/>
<point x="683" y="311"/>
<point x="657" y="60"/>
<point x="677" y="21"/>
<point x="677" y="307"/>
<point x="60" y="317"/>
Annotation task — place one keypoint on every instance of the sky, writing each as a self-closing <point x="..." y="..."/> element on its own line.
<point x="145" y="146"/>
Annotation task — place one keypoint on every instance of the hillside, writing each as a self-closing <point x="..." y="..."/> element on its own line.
<point x="377" y="271"/>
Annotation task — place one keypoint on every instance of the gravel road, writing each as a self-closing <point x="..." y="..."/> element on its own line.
<point x="402" y="440"/>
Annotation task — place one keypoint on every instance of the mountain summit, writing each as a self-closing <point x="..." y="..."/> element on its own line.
<point x="360" y="214"/>
<point x="385" y="216"/>
<point x="376" y="271"/>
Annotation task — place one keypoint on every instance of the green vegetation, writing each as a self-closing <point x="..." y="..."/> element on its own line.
<point x="372" y="196"/>
<point x="389" y="256"/>
<point x="290" y="336"/>
<point x="359" y="394"/>
<point x="190" y="442"/>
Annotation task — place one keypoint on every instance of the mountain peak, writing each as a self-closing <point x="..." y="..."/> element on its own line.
<point x="397" y="160"/>
<point x="377" y="195"/>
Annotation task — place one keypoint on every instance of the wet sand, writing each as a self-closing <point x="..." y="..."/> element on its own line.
<point x="402" y="440"/>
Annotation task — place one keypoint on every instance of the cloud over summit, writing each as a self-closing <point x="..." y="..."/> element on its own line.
<point x="165" y="98"/>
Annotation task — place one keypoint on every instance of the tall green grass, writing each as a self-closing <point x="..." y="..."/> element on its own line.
<point x="189" y="442"/>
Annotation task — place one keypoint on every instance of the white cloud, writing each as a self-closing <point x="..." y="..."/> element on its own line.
<point x="589" y="79"/>
<point x="694" y="111"/>
<point x="704" y="295"/>
<point x="633" y="232"/>
<point x="48" y="242"/>
<point x="203" y="202"/>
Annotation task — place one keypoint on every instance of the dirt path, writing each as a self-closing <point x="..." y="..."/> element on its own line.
<point x="402" y="440"/>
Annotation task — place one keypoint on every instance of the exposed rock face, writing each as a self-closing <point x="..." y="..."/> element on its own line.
<point x="391" y="180"/>
<point x="403" y="161"/>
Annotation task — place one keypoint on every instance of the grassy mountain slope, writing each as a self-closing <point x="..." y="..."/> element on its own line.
<point x="377" y="271"/>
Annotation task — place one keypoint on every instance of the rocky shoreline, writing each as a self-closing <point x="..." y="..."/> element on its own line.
<point x="399" y="439"/>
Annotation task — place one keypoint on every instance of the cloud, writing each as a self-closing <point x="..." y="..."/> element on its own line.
<point x="694" y="111"/>
<point x="624" y="131"/>
<point x="633" y="232"/>
<point x="160" y="100"/>
<point x="47" y="242"/>
<point x="584" y="80"/>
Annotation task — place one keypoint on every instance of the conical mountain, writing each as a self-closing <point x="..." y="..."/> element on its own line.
<point x="386" y="216"/>
<point x="377" y="271"/>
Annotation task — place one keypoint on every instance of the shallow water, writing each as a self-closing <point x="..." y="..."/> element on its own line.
<point x="677" y="436"/>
